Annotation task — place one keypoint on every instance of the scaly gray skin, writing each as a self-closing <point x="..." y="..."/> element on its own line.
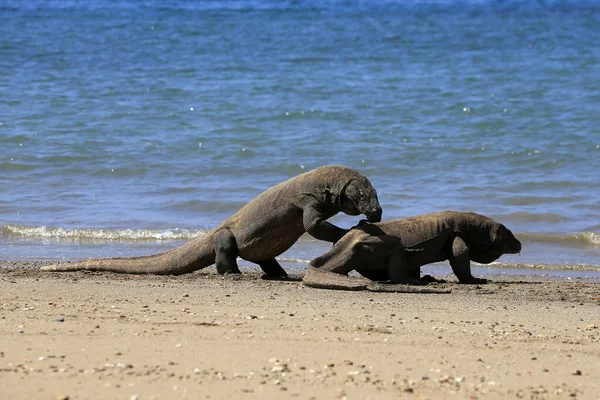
<point x="262" y="229"/>
<point x="395" y="250"/>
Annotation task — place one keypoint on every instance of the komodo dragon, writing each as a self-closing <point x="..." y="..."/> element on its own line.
<point x="262" y="229"/>
<point x="395" y="250"/>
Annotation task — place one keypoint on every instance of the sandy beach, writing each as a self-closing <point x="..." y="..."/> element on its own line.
<point x="102" y="335"/>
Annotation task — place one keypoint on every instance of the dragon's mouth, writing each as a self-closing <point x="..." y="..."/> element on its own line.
<point x="374" y="215"/>
<point x="513" y="248"/>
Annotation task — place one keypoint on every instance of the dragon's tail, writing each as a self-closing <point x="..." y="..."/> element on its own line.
<point x="192" y="256"/>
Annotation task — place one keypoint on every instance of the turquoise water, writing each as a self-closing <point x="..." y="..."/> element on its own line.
<point x="130" y="127"/>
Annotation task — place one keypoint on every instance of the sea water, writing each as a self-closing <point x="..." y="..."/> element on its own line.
<point x="131" y="127"/>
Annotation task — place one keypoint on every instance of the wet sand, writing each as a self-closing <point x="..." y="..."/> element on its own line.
<point x="101" y="335"/>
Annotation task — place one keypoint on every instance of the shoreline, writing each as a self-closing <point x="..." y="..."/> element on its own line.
<point x="200" y="335"/>
<point x="549" y="258"/>
<point x="297" y="266"/>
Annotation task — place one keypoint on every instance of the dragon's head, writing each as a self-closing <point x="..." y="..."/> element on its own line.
<point x="503" y="239"/>
<point x="359" y="197"/>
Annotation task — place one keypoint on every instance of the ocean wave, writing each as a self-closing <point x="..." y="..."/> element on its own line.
<point x="293" y="260"/>
<point x="545" y="267"/>
<point x="533" y="200"/>
<point x="99" y="235"/>
<point x="582" y="239"/>
<point x="532" y="217"/>
<point x="11" y="166"/>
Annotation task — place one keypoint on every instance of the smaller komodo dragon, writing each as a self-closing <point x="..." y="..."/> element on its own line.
<point x="261" y="230"/>
<point x="395" y="250"/>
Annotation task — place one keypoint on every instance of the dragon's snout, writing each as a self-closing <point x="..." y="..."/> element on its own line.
<point x="513" y="247"/>
<point x="374" y="214"/>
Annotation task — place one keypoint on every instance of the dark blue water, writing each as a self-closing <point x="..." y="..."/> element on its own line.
<point x="130" y="127"/>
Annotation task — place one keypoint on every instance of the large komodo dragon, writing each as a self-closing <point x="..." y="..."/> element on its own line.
<point x="262" y="229"/>
<point x="395" y="250"/>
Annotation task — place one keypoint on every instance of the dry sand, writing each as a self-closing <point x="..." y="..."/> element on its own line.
<point x="102" y="335"/>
